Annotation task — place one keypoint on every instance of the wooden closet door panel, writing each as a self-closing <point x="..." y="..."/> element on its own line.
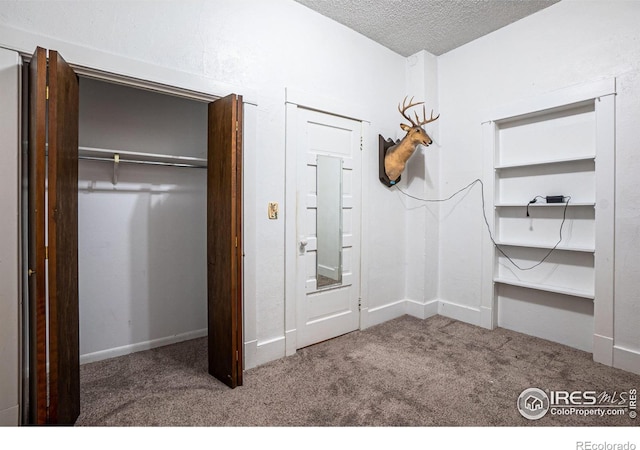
<point x="36" y="238"/>
<point x="54" y="395"/>
<point x="64" y="358"/>
<point x="224" y="243"/>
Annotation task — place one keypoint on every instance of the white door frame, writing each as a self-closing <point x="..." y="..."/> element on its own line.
<point x="293" y="100"/>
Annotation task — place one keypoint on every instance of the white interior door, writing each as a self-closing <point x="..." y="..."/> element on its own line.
<point x="328" y="192"/>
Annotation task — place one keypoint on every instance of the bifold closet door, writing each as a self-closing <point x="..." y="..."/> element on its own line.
<point x="53" y="241"/>
<point x="224" y="243"/>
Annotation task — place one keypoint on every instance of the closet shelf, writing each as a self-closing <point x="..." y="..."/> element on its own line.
<point x="547" y="288"/>
<point x="546" y="162"/>
<point x="567" y="248"/>
<point x="102" y="154"/>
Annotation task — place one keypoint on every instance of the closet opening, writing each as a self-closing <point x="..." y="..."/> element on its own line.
<point x="153" y="181"/>
<point x="142" y="221"/>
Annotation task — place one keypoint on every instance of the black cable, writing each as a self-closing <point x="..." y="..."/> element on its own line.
<point x="486" y="221"/>
<point x="535" y="199"/>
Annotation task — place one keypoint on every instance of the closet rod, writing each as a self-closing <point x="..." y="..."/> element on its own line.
<point x="134" y="161"/>
<point x="101" y="154"/>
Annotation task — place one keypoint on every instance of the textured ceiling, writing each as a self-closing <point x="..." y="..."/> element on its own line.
<point x="437" y="26"/>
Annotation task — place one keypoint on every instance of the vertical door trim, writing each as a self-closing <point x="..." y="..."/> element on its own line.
<point x="488" y="295"/>
<point x="605" y="218"/>
<point x="290" y="234"/>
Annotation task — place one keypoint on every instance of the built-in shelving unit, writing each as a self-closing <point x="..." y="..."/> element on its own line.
<point x="557" y="145"/>
<point x="520" y="176"/>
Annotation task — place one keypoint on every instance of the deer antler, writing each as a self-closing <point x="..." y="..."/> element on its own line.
<point x="418" y="122"/>
<point x="405" y="107"/>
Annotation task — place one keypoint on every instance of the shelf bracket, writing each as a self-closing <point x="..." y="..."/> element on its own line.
<point x="116" y="163"/>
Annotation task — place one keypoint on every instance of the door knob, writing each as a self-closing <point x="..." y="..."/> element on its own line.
<point x="303" y="246"/>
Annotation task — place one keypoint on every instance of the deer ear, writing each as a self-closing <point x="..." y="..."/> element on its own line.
<point x="405" y="127"/>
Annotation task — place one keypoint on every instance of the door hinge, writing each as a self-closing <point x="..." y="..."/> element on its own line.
<point x="359" y="304"/>
<point x="236" y="241"/>
<point x="47" y="93"/>
<point x="237" y="355"/>
<point x="237" y="126"/>
<point x="46" y="253"/>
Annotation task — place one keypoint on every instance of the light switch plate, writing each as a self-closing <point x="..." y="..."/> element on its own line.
<point x="273" y="210"/>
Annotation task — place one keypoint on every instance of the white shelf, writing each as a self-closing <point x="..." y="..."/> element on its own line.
<point x="541" y="204"/>
<point x="544" y="163"/>
<point x="566" y="248"/>
<point x="543" y="287"/>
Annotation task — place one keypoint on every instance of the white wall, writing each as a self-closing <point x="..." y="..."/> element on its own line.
<point x="566" y="44"/>
<point x="9" y="237"/>
<point x="262" y="47"/>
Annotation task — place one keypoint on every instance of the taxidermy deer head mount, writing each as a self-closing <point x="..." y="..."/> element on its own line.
<point x="396" y="157"/>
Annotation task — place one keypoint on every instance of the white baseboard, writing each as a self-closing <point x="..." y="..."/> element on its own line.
<point x="381" y="314"/>
<point x="331" y="272"/>
<point x="291" y="341"/>
<point x="270" y="350"/>
<point x="603" y="349"/>
<point x="250" y="352"/>
<point x="460" y="312"/>
<point x="257" y="353"/>
<point x="488" y="318"/>
<point x="626" y="359"/>
<point x="422" y="310"/>
<point x="390" y="311"/>
<point x="140" y="346"/>
<point x="10" y="417"/>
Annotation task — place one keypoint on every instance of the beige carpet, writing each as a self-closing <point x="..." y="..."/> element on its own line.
<point x="405" y="372"/>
